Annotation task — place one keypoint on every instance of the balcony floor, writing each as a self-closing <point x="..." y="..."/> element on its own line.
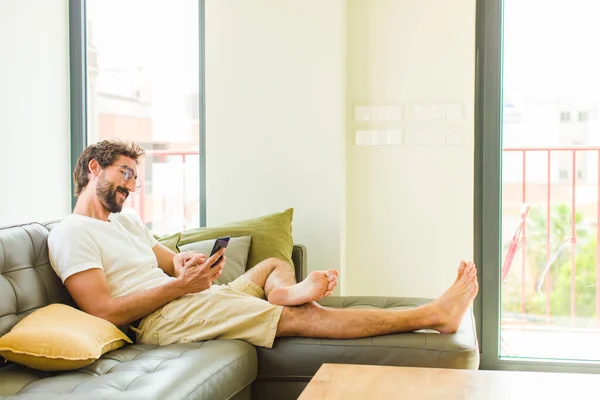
<point x="551" y="343"/>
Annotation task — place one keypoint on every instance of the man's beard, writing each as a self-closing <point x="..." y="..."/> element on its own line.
<point x="107" y="193"/>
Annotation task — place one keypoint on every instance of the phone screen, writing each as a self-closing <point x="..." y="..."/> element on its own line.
<point x="220" y="243"/>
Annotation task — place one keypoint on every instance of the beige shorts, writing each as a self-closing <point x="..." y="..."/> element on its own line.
<point x="233" y="311"/>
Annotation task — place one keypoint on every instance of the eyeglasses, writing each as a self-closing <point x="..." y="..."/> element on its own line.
<point x="128" y="174"/>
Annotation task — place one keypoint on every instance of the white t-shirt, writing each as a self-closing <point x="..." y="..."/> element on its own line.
<point x="121" y="246"/>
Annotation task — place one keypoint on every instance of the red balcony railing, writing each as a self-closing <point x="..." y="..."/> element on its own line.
<point x="571" y="178"/>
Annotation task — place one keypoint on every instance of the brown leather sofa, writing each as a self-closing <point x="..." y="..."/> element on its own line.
<point x="217" y="369"/>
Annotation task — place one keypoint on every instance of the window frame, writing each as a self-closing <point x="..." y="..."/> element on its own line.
<point x="78" y="94"/>
<point x="487" y="198"/>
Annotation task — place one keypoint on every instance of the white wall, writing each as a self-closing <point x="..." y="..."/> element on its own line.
<point x="275" y="116"/>
<point x="34" y="111"/>
<point x="280" y="132"/>
<point x="410" y="209"/>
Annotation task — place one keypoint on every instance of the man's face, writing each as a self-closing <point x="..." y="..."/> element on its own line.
<point x="112" y="188"/>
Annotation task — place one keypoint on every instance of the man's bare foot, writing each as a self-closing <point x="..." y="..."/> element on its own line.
<point x="449" y="308"/>
<point x="318" y="284"/>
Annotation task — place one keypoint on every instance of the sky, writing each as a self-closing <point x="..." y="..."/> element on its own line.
<point x="160" y="36"/>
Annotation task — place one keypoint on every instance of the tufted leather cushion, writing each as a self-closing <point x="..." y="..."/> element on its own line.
<point x="27" y="281"/>
<point x="216" y="369"/>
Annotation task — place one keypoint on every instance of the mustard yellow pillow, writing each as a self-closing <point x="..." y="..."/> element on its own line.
<point x="58" y="338"/>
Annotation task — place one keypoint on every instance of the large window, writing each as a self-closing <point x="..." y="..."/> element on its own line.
<point x="537" y="144"/>
<point x="140" y="78"/>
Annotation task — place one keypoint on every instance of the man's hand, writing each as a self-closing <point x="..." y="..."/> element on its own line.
<point x="196" y="273"/>
<point x="182" y="258"/>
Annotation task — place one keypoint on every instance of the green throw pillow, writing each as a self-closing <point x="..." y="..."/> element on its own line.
<point x="271" y="236"/>
<point x="170" y="241"/>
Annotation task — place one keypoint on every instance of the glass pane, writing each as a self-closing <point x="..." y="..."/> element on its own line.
<point x="551" y="134"/>
<point x="143" y="85"/>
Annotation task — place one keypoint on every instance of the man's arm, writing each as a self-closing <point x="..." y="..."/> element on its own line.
<point x="165" y="256"/>
<point x="90" y="291"/>
<point x="172" y="263"/>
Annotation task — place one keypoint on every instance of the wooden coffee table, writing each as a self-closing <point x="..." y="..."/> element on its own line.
<point x="343" y="381"/>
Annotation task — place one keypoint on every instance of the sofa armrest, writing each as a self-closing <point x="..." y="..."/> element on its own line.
<point x="299" y="259"/>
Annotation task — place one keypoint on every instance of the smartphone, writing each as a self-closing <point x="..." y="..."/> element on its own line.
<point x="220" y="243"/>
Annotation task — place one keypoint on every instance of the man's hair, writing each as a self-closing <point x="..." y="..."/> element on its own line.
<point x="106" y="153"/>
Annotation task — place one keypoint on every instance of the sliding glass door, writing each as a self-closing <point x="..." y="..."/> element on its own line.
<point x="539" y="143"/>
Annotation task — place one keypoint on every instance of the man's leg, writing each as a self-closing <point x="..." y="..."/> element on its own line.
<point x="443" y="315"/>
<point x="278" y="280"/>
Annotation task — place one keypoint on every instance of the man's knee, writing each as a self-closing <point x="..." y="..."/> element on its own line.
<point x="268" y="263"/>
<point x="275" y="261"/>
<point x="261" y="271"/>
<point x="271" y="264"/>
